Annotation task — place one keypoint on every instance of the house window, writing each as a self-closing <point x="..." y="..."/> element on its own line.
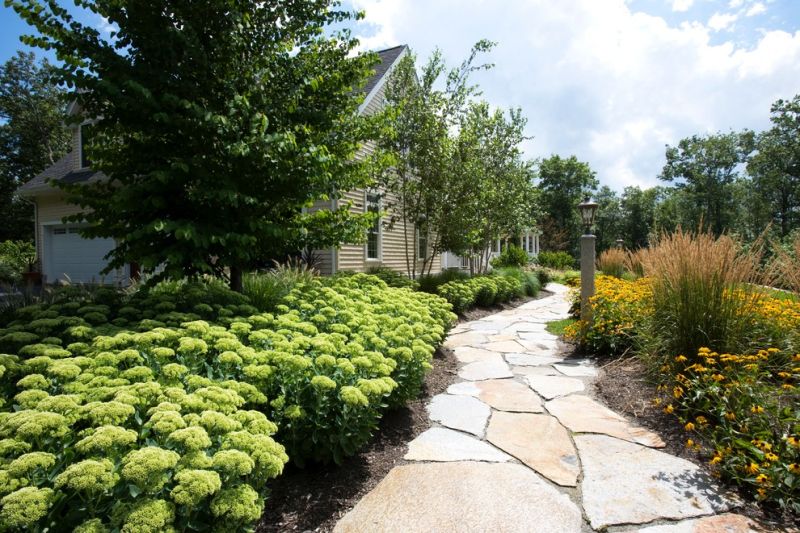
<point x="374" y="232"/>
<point x="422" y="243"/>
<point x="85" y="133"/>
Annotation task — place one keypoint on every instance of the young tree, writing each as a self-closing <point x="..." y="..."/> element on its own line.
<point x="32" y="135"/>
<point x="563" y="183"/>
<point x="492" y="193"/>
<point x="216" y="124"/>
<point x="775" y="167"/>
<point x="705" y="168"/>
<point x="415" y="137"/>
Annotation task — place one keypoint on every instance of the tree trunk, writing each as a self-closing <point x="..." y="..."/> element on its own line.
<point x="236" y="279"/>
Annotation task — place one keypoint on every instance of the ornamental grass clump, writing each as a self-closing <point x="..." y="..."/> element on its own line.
<point x="706" y="292"/>
<point x="611" y="262"/>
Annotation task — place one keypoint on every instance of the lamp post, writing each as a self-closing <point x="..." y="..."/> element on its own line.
<point x="587" y="209"/>
<point x="620" y="243"/>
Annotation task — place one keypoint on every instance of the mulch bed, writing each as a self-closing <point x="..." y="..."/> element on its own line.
<point x="623" y="386"/>
<point x="315" y="497"/>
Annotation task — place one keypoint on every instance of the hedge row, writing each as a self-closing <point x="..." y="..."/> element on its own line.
<point x="481" y="290"/>
<point x="172" y="409"/>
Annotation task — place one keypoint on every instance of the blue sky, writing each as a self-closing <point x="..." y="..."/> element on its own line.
<point x="611" y="81"/>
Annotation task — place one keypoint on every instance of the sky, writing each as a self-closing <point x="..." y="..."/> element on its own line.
<point x="609" y="81"/>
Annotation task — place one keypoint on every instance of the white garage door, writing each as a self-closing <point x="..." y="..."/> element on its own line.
<point x="75" y="259"/>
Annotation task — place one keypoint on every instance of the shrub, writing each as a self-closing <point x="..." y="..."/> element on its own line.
<point x="544" y="277"/>
<point x="611" y="262"/>
<point x="529" y="280"/>
<point x="15" y="258"/>
<point x="511" y="256"/>
<point x="480" y="290"/>
<point x="746" y="408"/>
<point x="430" y="283"/>
<point x="556" y="260"/>
<point x="393" y="278"/>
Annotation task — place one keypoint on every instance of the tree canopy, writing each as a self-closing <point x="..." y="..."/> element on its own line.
<point x="217" y="124"/>
<point x="32" y="135"/>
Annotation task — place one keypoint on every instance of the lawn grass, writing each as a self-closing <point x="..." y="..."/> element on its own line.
<point x="557" y="327"/>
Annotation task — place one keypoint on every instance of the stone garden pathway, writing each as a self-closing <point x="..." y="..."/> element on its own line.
<point x="518" y="445"/>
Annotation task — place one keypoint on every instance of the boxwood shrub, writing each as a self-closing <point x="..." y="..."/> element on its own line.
<point x="173" y="407"/>
<point x="481" y="290"/>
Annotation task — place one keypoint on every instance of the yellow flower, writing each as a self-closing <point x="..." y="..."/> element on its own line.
<point x="689" y="426"/>
<point x="656" y="401"/>
<point x="771" y="457"/>
<point x="730" y="416"/>
<point x="689" y="443"/>
<point x="716" y="459"/>
<point x="761" y="478"/>
<point x="756" y="409"/>
<point x="793" y="441"/>
<point x="681" y="358"/>
<point x="794" y="468"/>
<point x="752" y="468"/>
<point x="669" y="409"/>
<point x="762" y="493"/>
<point x="701" y="420"/>
<point x="677" y="392"/>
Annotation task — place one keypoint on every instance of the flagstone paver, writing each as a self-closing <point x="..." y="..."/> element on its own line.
<point x="554" y="386"/>
<point x="460" y="412"/>
<point x="439" y="444"/>
<point x="494" y="368"/>
<point x="522" y="415"/>
<point x="508" y="395"/>
<point x="581" y="414"/>
<point x="724" y="523"/>
<point x="462" y="497"/>
<point x="625" y="483"/>
<point x="553" y="455"/>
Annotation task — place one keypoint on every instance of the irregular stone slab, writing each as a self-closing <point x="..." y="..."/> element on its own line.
<point x="586" y="370"/>
<point x="724" y="523"/>
<point x="488" y="369"/>
<point x="545" y="370"/>
<point x="554" y="386"/>
<point x="459" y="412"/>
<point x="503" y="337"/>
<point x="508" y="395"/>
<point x="484" y="327"/>
<point x="465" y="388"/>
<point x="468" y="354"/>
<point x="624" y="483"/>
<point x="462" y="496"/>
<point x="524" y="327"/>
<point x="539" y="441"/>
<point x="541" y="345"/>
<point x="503" y="346"/>
<point x="468" y="338"/>
<point x="439" y="444"/>
<point x="583" y="415"/>
<point x="526" y="359"/>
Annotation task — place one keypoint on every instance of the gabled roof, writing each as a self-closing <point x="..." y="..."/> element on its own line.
<point x="61" y="170"/>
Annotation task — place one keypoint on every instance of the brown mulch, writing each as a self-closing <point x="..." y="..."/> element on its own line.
<point x="623" y="386"/>
<point x="314" y="498"/>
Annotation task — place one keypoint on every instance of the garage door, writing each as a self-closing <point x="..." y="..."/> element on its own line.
<point x="75" y="259"/>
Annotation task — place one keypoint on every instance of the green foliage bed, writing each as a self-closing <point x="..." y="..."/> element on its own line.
<point x="173" y="408"/>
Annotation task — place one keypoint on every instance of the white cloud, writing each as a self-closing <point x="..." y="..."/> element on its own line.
<point x="597" y="80"/>
<point x="682" y="5"/>
<point x="756" y="9"/>
<point x="722" y="21"/>
<point x="734" y="4"/>
<point x="103" y="25"/>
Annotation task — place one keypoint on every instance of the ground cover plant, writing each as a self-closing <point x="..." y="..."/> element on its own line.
<point x="723" y="350"/>
<point x="172" y="407"/>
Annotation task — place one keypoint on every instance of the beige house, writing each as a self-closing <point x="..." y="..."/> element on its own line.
<point x="66" y="256"/>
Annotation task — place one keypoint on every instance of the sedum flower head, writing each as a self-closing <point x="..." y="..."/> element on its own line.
<point x="34" y="381"/>
<point x="26" y="425"/>
<point x="255" y="422"/>
<point x="148" y="467"/>
<point x="353" y="397"/>
<point x="12" y="447"/>
<point x="23" y="508"/>
<point x="108" y="413"/>
<point x="173" y="371"/>
<point x="193" y="486"/>
<point x="190" y="439"/>
<point x="149" y="516"/>
<point x="217" y="423"/>
<point x="25" y="465"/>
<point x="94" y="525"/>
<point x="165" y="422"/>
<point x="323" y="383"/>
<point x="29" y="399"/>
<point x="268" y="455"/>
<point x="107" y="440"/>
<point x="240" y="504"/>
<point x="88" y="476"/>
<point x="233" y="462"/>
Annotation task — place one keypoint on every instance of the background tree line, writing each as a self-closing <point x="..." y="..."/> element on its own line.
<point x="737" y="182"/>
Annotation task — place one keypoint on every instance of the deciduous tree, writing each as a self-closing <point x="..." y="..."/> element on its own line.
<point x="216" y="123"/>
